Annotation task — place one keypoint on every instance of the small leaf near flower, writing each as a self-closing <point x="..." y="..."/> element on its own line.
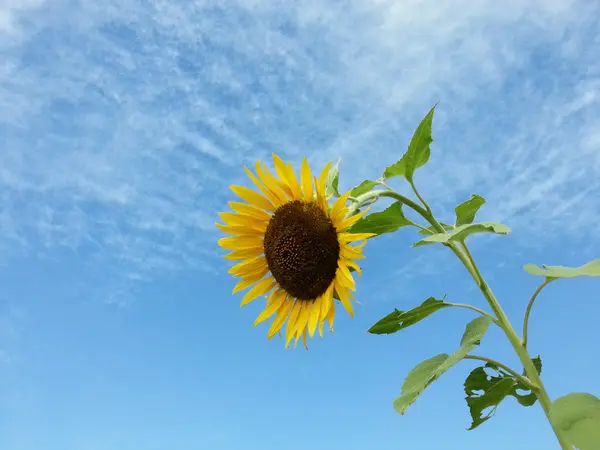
<point x="363" y="188"/>
<point x="487" y="391"/>
<point x="465" y="212"/>
<point x="333" y="179"/>
<point x="591" y="269"/>
<point x="430" y="370"/>
<point x="418" y="151"/>
<point x="386" y="221"/>
<point x="399" y="320"/>
<point x="577" y="415"/>
<point x="460" y="233"/>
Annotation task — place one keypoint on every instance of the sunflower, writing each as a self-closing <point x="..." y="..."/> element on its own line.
<point x="292" y="248"/>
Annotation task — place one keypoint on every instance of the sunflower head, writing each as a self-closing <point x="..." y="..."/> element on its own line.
<point x="293" y="248"/>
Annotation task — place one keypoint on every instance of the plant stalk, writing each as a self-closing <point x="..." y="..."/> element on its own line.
<point x="530" y="370"/>
<point x="462" y="252"/>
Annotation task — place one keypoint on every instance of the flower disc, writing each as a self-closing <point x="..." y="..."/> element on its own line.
<point x="302" y="249"/>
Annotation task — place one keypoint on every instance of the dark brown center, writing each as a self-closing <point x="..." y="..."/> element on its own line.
<point x="302" y="249"/>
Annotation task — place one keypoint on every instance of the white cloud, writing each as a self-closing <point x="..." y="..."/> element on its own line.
<point x="123" y="122"/>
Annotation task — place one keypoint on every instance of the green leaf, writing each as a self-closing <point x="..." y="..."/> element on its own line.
<point x="363" y="188"/>
<point x="465" y="212"/>
<point x="460" y="233"/>
<point x="418" y="151"/>
<point x="431" y="230"/>
<point x="494" y="389"/>
<point x="333" y="178"/>
<point x="386" y="221"/>
<point x="430" y="370"/>
<point x="398" y="320"/>
<point x="591" y="269"/>
<point x="577" y="415"/>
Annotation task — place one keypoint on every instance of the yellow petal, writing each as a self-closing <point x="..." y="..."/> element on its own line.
<point x="244" y="220"/>
<point x="271" y="182"/>
<point x="303" y="318"/>
<point x="345" y="273"/>
<point x="241" y="242"/>
<point x="281" y="183"/>
<point x="276" y="299"/>
<point x="344" y="298"/>
<point x="321" y="322"/>
<point x="306" y="177"/>
<point x="281" y="169"/>
<point x="240" y="230"/>
<point x="264" y="189"/>
<point x="282" y="314"/>
<point x="249" y="280"/>
<point x="294" y="184"/>
<point x="347" y="223"/>
<point x="243" y="254"/>
<point x="352" y="264"/>
<point x="250" y="210"/>
<point x="353" y="237"/>
<point x="304" y="340"/>
<point x="249" y="266"/>
<point x="331" y="316"/>
<point x="253" y="197"/>
<point x="314" y="316"/>
<point x="291" y="322"/>
<point x="261" y="288"/>
<point x="321" y="185"/>
<point x="339" y="210"/>
<point x="348" y="252"/>
<point x="326" y="302"/>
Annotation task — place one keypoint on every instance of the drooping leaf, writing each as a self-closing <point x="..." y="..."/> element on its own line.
<point x="577" y="415"/>
<point x="461" y="233"/>
<point x="494" y="388"/>
<point x="398" y="320"/>
<point x="332" y="181"/>
<point x="386" y="221"/>
<point x="363" y="188"/>
<point x="418" y="151"/>
<point x="425" y="373"/>
<point x="591" y="269"/>
<point x="465" y="212"/>
<point x="431" y="230"/>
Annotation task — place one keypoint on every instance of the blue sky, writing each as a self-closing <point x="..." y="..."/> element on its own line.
<point x="122" y="124"/>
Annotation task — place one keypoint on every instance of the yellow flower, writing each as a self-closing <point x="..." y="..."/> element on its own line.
<point x="293" y="248"/>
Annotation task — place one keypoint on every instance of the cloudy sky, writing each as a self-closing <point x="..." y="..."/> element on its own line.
<point x="122" y="124"/>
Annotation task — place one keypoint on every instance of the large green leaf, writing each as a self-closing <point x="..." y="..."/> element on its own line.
<point x="363" y="188"/>
<point x="591" y="269"/>
<point x="577" y="415"/>
<point x="465" y="212"/>
<point x="418" y="151"/>
<point x="398" y="320"/>
<point x="386" y="221"/>
<point x="332" y="180"/>
<point x="430" y="370"/>
<point x="487" y="391"/>
<point x="462" y="232"/>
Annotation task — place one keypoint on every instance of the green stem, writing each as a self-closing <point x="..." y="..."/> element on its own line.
<point x="515" y="374"/>
<point x="540" y="391"/>
<point x="529" y="306"/>
<point x="477" y="310"/>
<point x="466" y="258"/>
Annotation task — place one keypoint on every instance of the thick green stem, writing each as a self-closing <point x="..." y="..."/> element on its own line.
<point x="529" y="306"/>
<point x="462" y="252"/>
<point x="530" y="370"/>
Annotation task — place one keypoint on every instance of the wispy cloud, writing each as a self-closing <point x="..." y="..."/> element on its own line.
<point x="123" y="122"/>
